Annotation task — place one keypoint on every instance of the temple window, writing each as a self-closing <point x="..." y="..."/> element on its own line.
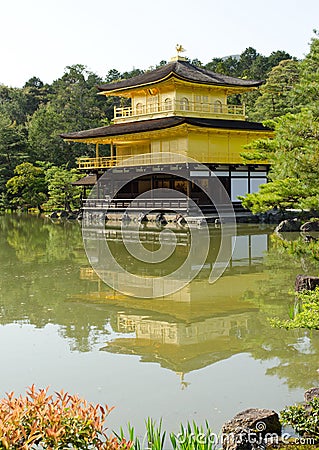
<point x="168" y="104"/>
<point x="184" y="104"/>
<point x="153" y="106"/>
<point x="205" y="103"/>
<point x="139" y="108"/>
<point x="218" y="106"/>
<point x="198" y="100"/>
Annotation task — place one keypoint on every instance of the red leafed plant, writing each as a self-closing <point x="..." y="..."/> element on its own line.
<point x="44" y="421"/>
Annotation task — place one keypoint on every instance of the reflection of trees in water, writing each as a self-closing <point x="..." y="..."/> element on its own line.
<point x="34" y="239"/>
<point x="299" y="362"/>
<point x="39" y="270"/>
<point x="296" y="350"/>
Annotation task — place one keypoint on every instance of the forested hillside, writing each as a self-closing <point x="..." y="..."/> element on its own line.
<point x="33" y="117"/>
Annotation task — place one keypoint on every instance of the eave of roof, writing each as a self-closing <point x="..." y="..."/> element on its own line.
<point x="88" y="180"/>
<point x="182" y="70"/>
<point x="161" y="124"/>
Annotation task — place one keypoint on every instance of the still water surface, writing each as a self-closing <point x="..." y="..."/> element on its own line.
<point x="205" y="352"/>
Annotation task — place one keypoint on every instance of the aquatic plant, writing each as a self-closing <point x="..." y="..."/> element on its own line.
<point x="305" y="313"/>
<point x="194" y="437"/>
<point x="190" y="437"/>
<point x="154" y="439"/>
<point x="54" y="422"/>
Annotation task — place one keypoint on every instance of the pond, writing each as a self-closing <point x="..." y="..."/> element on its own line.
<point x="206" y="351"/>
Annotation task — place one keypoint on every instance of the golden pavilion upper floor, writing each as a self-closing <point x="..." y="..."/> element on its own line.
<point x="177" y="109"/>
<point x="181" y="89"/>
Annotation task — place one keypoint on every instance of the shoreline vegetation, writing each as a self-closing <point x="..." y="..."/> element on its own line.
<point x="61" y="420"/>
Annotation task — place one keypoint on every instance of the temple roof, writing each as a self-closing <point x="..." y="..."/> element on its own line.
<point x="182" y="70"/>
<point x="88" y="180"/>
<point x="163" y="123"/>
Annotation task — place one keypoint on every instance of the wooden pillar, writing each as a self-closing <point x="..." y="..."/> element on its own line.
<point x="152" y="185"/>
<point x="112" y="150"/>
<point x="188" y="189"/>
<point x="96" y="150"/>
<point x="188" y="193"/>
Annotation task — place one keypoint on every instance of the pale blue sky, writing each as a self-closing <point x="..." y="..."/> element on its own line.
<point x="41" y="37"/>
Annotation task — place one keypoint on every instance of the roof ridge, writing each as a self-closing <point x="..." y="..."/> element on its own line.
<point x="183" y="70"/>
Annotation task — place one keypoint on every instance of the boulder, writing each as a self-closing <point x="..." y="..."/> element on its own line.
<point x="310" y="226"/>
<point x="306" y="283"/>
<point x="249" y="429"/>
<point x="311" y="393"/>
<point x="288" y="225"/>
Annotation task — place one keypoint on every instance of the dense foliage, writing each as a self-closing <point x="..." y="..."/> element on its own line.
<point x="303" y="418"/>
<point x="43" y="186"/>
<point x="33" y="117"/>
<point x="305" y="313"/>
<point x="291" y="94"/>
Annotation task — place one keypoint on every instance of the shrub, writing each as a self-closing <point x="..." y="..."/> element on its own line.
<point x="54" y="422"/>
<point x="304" y="418"/>
<point x="305" y="313"/>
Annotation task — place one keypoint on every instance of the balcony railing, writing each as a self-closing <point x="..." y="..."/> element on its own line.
<point x="137" y="204"/>
<point x="103" y="162"/>
<point x="179" y="107"/>
<point x="154" y="159"/>
<point x="106" y="162"/>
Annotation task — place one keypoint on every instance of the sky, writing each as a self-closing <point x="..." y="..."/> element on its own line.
<point x="41" y="37"/>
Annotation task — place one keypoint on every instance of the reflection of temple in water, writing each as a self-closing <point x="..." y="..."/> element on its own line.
<point x="179" y="333"/>
<point x="180" y="346"/>
<point x="198" y="325"/>
<point x="200" y="255"/>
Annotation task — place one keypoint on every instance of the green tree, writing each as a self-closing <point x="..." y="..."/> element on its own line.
<point x="306" y="92"/>
<point x="275" y="57"/>
<point x="13" y="103"/>
<point x="74" y="96"/>
<point x="12" y="148"/>
<point x="45" y="143"/>
<point x="247" y="60"/>
<point x="36" y="94"/>
<point x="294" y="151"/>
<point x="62" y="194"/>
<point x="227" y="66"/>
<point x="277" y="96"/>
<point x="74" y="105"/>
<point x="196" y="62"/>
<point x="294" y="155"/>
<point x="113" y="75"/>
<point x="28" y="188"/>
